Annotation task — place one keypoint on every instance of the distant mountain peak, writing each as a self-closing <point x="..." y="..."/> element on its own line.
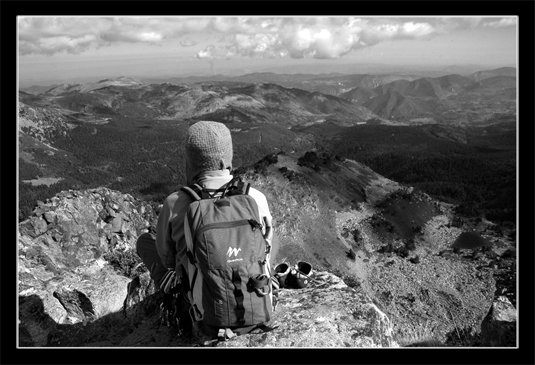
<point x="63" y="88"/>
<point x="118" y="81"/>
<point x="502" y="71"/>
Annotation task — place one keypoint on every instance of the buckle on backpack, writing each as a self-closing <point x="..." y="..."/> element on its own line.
<point x="258" y="284"/>
<point x="254" y="224"/>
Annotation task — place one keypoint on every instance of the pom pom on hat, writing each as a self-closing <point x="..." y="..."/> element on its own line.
<point x="208" y="148"/>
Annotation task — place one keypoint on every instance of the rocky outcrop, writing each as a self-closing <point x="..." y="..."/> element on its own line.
<point x="71" y="292"/>
<point x="71" y="295"/>
<point x="326" y="314"/>
<point x="499" y="327"/>
<point x="76" y="228"/>
<point x="62" y="258"/>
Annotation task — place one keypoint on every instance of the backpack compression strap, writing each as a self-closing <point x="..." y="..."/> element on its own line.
<point x="238" y="295"/>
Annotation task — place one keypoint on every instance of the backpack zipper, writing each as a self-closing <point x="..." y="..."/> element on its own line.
<point x="242" y="222"/>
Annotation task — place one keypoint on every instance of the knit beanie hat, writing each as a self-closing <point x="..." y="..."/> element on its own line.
<point x="208" y="148"/>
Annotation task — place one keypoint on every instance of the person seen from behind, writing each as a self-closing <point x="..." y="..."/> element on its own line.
<point x="209" y="153"/>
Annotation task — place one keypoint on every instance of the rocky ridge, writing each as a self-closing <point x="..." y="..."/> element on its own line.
<point x="62" y="257"/>
<point x="69" y="291"/>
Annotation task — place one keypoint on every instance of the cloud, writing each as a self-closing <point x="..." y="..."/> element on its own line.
<point x="52" y="35"/>
<point x="296" y="37"/>
<point x="322" y="37"/>
<point x="208" y="52"/>
<point x="503" y="22"/>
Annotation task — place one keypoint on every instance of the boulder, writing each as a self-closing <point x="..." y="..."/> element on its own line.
<point x="142" y="299"/>
<point x="47" y="300"/>
<point x="63" y="276"/>
<point x="499" y="326"/>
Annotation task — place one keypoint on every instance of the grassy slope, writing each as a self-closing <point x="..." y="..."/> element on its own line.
<point x="309" y="207"/>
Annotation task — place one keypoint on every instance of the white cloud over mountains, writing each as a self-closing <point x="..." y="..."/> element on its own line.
<point x="296" y="37"/>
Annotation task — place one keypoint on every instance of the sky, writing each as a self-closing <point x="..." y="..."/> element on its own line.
<point x="82" y="49"/>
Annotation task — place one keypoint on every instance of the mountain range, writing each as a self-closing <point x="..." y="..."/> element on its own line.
<point x="301" y="98"/>
<point x="262" y="103"/>
<point x="72" y="133"/>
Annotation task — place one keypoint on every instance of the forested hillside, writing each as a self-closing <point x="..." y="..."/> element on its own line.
<point x="475" y="169"/>
<point x="143" y="158"/>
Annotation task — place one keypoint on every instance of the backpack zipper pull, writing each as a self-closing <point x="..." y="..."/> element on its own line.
<point x="254" y="224"/>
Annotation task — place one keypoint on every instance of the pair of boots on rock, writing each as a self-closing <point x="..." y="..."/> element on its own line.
<point x="296" y="277"/>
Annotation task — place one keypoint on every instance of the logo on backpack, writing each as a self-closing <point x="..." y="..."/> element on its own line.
<point x="235" y="252"/>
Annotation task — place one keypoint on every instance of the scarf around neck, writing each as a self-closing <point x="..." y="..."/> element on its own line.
<point x="213" y="179"/>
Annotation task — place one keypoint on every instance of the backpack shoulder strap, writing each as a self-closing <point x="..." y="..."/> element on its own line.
<point x="234" y="187"/>
<point x="237" y="187"/>
<point x="243" y="187"/>
<point x="192" y="193"/>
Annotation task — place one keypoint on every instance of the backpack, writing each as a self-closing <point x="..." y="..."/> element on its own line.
<point x="227" y="266"/>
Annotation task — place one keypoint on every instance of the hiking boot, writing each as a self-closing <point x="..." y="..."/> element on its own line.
<point x="281" y="273"/>
<point x="302" y="273"/>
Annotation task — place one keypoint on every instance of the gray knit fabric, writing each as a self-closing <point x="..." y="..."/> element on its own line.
<point x="208" y="148"/>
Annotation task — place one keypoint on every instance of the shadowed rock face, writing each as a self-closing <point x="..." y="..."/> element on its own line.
<point x="470" y="240"/>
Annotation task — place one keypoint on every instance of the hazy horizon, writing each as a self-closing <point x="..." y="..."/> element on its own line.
<point x="82" y="49"/>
